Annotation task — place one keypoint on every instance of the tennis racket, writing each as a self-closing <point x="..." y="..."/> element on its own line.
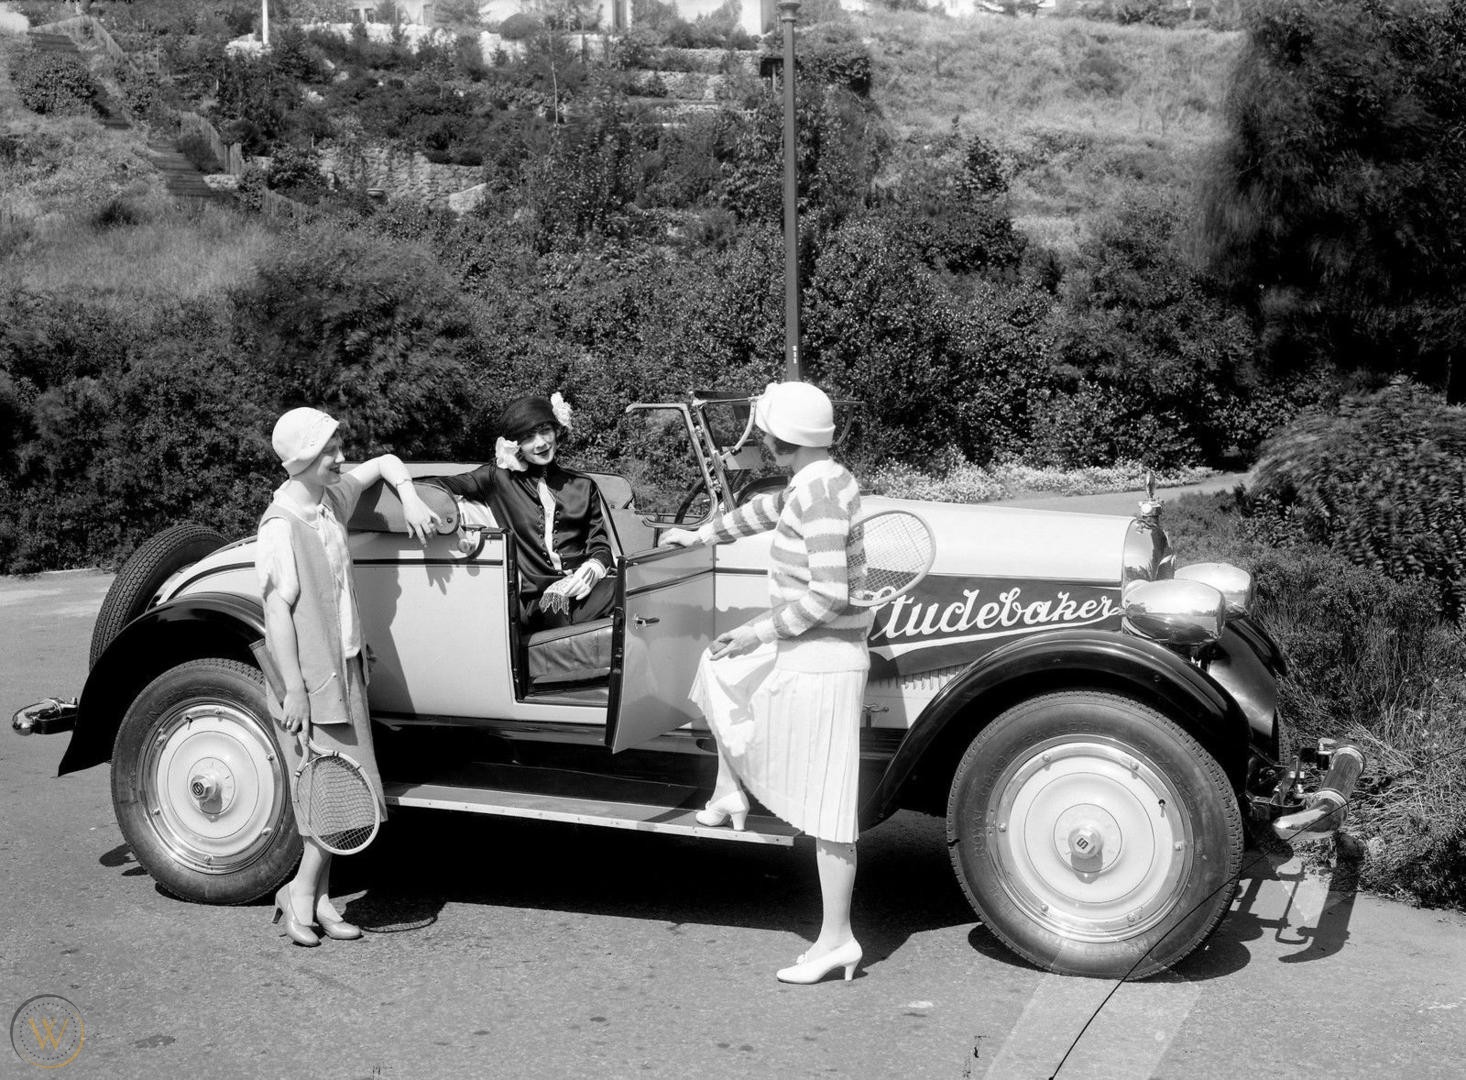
<point x="898" y="553"/>
<point x="335" y="800"/>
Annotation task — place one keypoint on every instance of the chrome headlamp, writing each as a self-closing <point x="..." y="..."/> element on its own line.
<point x="1234" y="583"/>
<point x="1175" y="612"/>
<point x="1147" y="553"/>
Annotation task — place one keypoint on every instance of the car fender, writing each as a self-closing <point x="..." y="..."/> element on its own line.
<point x="191" y="627"/>
<point x="1058" y="660"/>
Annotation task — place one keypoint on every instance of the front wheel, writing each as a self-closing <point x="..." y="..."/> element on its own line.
<point x="1093" y="835"/>
<point x="199" y="784"/>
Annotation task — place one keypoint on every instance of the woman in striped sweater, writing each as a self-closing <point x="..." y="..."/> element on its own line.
<point x="782" y="693"/>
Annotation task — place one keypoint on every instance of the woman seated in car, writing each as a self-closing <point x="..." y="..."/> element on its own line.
<point x="562" y="546"/>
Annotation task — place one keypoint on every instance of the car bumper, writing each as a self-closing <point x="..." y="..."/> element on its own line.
<point x="45" y="717"/>
<point x="1287" y="799"/>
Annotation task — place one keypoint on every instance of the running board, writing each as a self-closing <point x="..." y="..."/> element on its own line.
<point x="615" y="815"/>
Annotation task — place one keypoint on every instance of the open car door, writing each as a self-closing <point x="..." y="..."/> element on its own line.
<point x="664" y="621"/>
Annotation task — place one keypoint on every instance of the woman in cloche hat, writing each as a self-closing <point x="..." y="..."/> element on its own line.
<point x="782" y="693"/>
<point x="562" y="548"/>
<point x="313" y="628"/>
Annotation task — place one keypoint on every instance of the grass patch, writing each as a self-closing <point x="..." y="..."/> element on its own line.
<point x="1372" y="660"/>
<point x="127" y="250"/>
<point x="1084" y="112"/>
<point x="84" y="213"/>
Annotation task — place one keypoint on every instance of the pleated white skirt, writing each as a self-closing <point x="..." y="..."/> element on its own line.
<point x="793" y="737"/>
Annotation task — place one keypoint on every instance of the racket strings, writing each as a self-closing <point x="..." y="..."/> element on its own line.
<point x="894" y="550"/>
<point x="339" y="804"/>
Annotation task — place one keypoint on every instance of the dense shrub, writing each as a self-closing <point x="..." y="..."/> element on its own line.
<point x="841" y="144"/>
<point x="1332" y="204"/>
<point x="124" y="426"/>
<point x="49" y="83"/>
<point x="1371" y="658"/>
<point x="833" y="53"/>
<point x="954" y="376"/>
<point x="1158" y="365"/>
<point x="1382" y="481"/>
<point x="254" y="103"/>
<point x="198" y="150"/>
<point x="521" y="26"/>
<point x="369" y="330"/>
<point x="295" y="170"/>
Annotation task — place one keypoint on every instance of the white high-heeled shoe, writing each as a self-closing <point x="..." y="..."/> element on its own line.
<point x="733" y="806"/>
<point x="806" y="971"/>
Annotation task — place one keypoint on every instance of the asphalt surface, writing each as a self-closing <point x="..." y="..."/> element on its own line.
<point x="1121" y="502"/>
<point x="522" y="949"/>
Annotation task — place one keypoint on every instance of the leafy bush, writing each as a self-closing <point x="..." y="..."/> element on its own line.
<point x="50" y="83"/>
<point x="198" y="150"/>
<point x="521" y="26"/>
<point x="370" y="330"/>
<point x="953" y="376"/>
<point x="295" y="169"/>
<point x="1382" y="481"/>
<point x="1157" y="365"/>
<point x="834" y="53"/>
<point x="118" y="211"/>
<point x="1372" y="659"/>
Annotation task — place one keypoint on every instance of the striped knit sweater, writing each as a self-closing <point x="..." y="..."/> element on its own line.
<point x="815" y="559"/>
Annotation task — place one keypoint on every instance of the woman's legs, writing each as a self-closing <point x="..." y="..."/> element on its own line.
<point x="323" y="891"/>
<point x="836" y="865"/>
<point x="315" y="861"/>
<point x="836" y="946"/>
<point x="727" y="783"/>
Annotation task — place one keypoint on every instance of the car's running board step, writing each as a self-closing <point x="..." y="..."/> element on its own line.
<point x="615" y="815"/>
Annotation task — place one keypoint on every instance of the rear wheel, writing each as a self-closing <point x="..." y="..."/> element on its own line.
<point x="199" y="784"/>
<point x="1093" y="835"/>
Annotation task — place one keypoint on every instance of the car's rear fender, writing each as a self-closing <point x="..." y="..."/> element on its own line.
<point x="191" y="627"/>
<point x="921" y="770"/>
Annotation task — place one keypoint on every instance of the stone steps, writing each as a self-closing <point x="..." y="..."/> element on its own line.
<point x="54" y="43"/>
<point x="180" y="178"/>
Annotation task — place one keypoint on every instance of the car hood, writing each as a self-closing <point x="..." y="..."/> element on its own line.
<point x="976" y="540"/>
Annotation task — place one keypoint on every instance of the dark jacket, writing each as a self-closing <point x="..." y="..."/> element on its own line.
<point x="579" y="525"/>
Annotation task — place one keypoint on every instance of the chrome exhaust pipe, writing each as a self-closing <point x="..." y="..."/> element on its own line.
<point x="1324" y="811"/>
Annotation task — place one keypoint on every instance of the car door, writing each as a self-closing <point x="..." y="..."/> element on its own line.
<point x="665" y="619"/>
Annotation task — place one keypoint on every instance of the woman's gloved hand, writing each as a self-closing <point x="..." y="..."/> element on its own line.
<point x="575" y="586"/>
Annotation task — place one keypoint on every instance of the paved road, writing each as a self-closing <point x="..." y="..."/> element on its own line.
<point x="527" y="950"/>
<point x="1122" y="502"/>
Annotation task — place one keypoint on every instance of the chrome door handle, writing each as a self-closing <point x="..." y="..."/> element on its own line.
<point x="646" y="622"/>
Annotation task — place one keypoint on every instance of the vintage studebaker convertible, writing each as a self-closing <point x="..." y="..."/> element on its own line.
<point x="1097" y="725"/>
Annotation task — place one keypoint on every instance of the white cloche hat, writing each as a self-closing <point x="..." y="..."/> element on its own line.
<point x="300" y="436"/>
<point x="797" y="412"/>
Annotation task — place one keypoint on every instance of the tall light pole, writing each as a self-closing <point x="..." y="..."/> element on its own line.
<point x="788" y="9"/>
<point x="265" y="23"/>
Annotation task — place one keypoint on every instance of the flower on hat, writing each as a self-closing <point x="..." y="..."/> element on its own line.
<point x="561" y="408"/>
<point x="506" y="455"/>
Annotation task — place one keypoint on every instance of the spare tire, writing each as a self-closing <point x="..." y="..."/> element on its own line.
<point x="156" y="560"/>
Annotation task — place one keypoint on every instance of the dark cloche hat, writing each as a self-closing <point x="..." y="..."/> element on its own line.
<point x="521" y="417"/>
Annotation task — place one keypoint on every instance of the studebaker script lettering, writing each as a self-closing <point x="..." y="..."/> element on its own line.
<point x="916" y="632"/>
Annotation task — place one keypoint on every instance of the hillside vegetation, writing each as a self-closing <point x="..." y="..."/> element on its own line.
<point x="1086" y="114"/>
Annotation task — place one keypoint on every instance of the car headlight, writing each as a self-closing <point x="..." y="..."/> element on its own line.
<point x="1234" y="583"/>
<point x="1175" y="612"/>
<point x="1146" y="555"/>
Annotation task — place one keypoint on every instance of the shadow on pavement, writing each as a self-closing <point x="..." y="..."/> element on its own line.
<point x="425" y="859"/>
